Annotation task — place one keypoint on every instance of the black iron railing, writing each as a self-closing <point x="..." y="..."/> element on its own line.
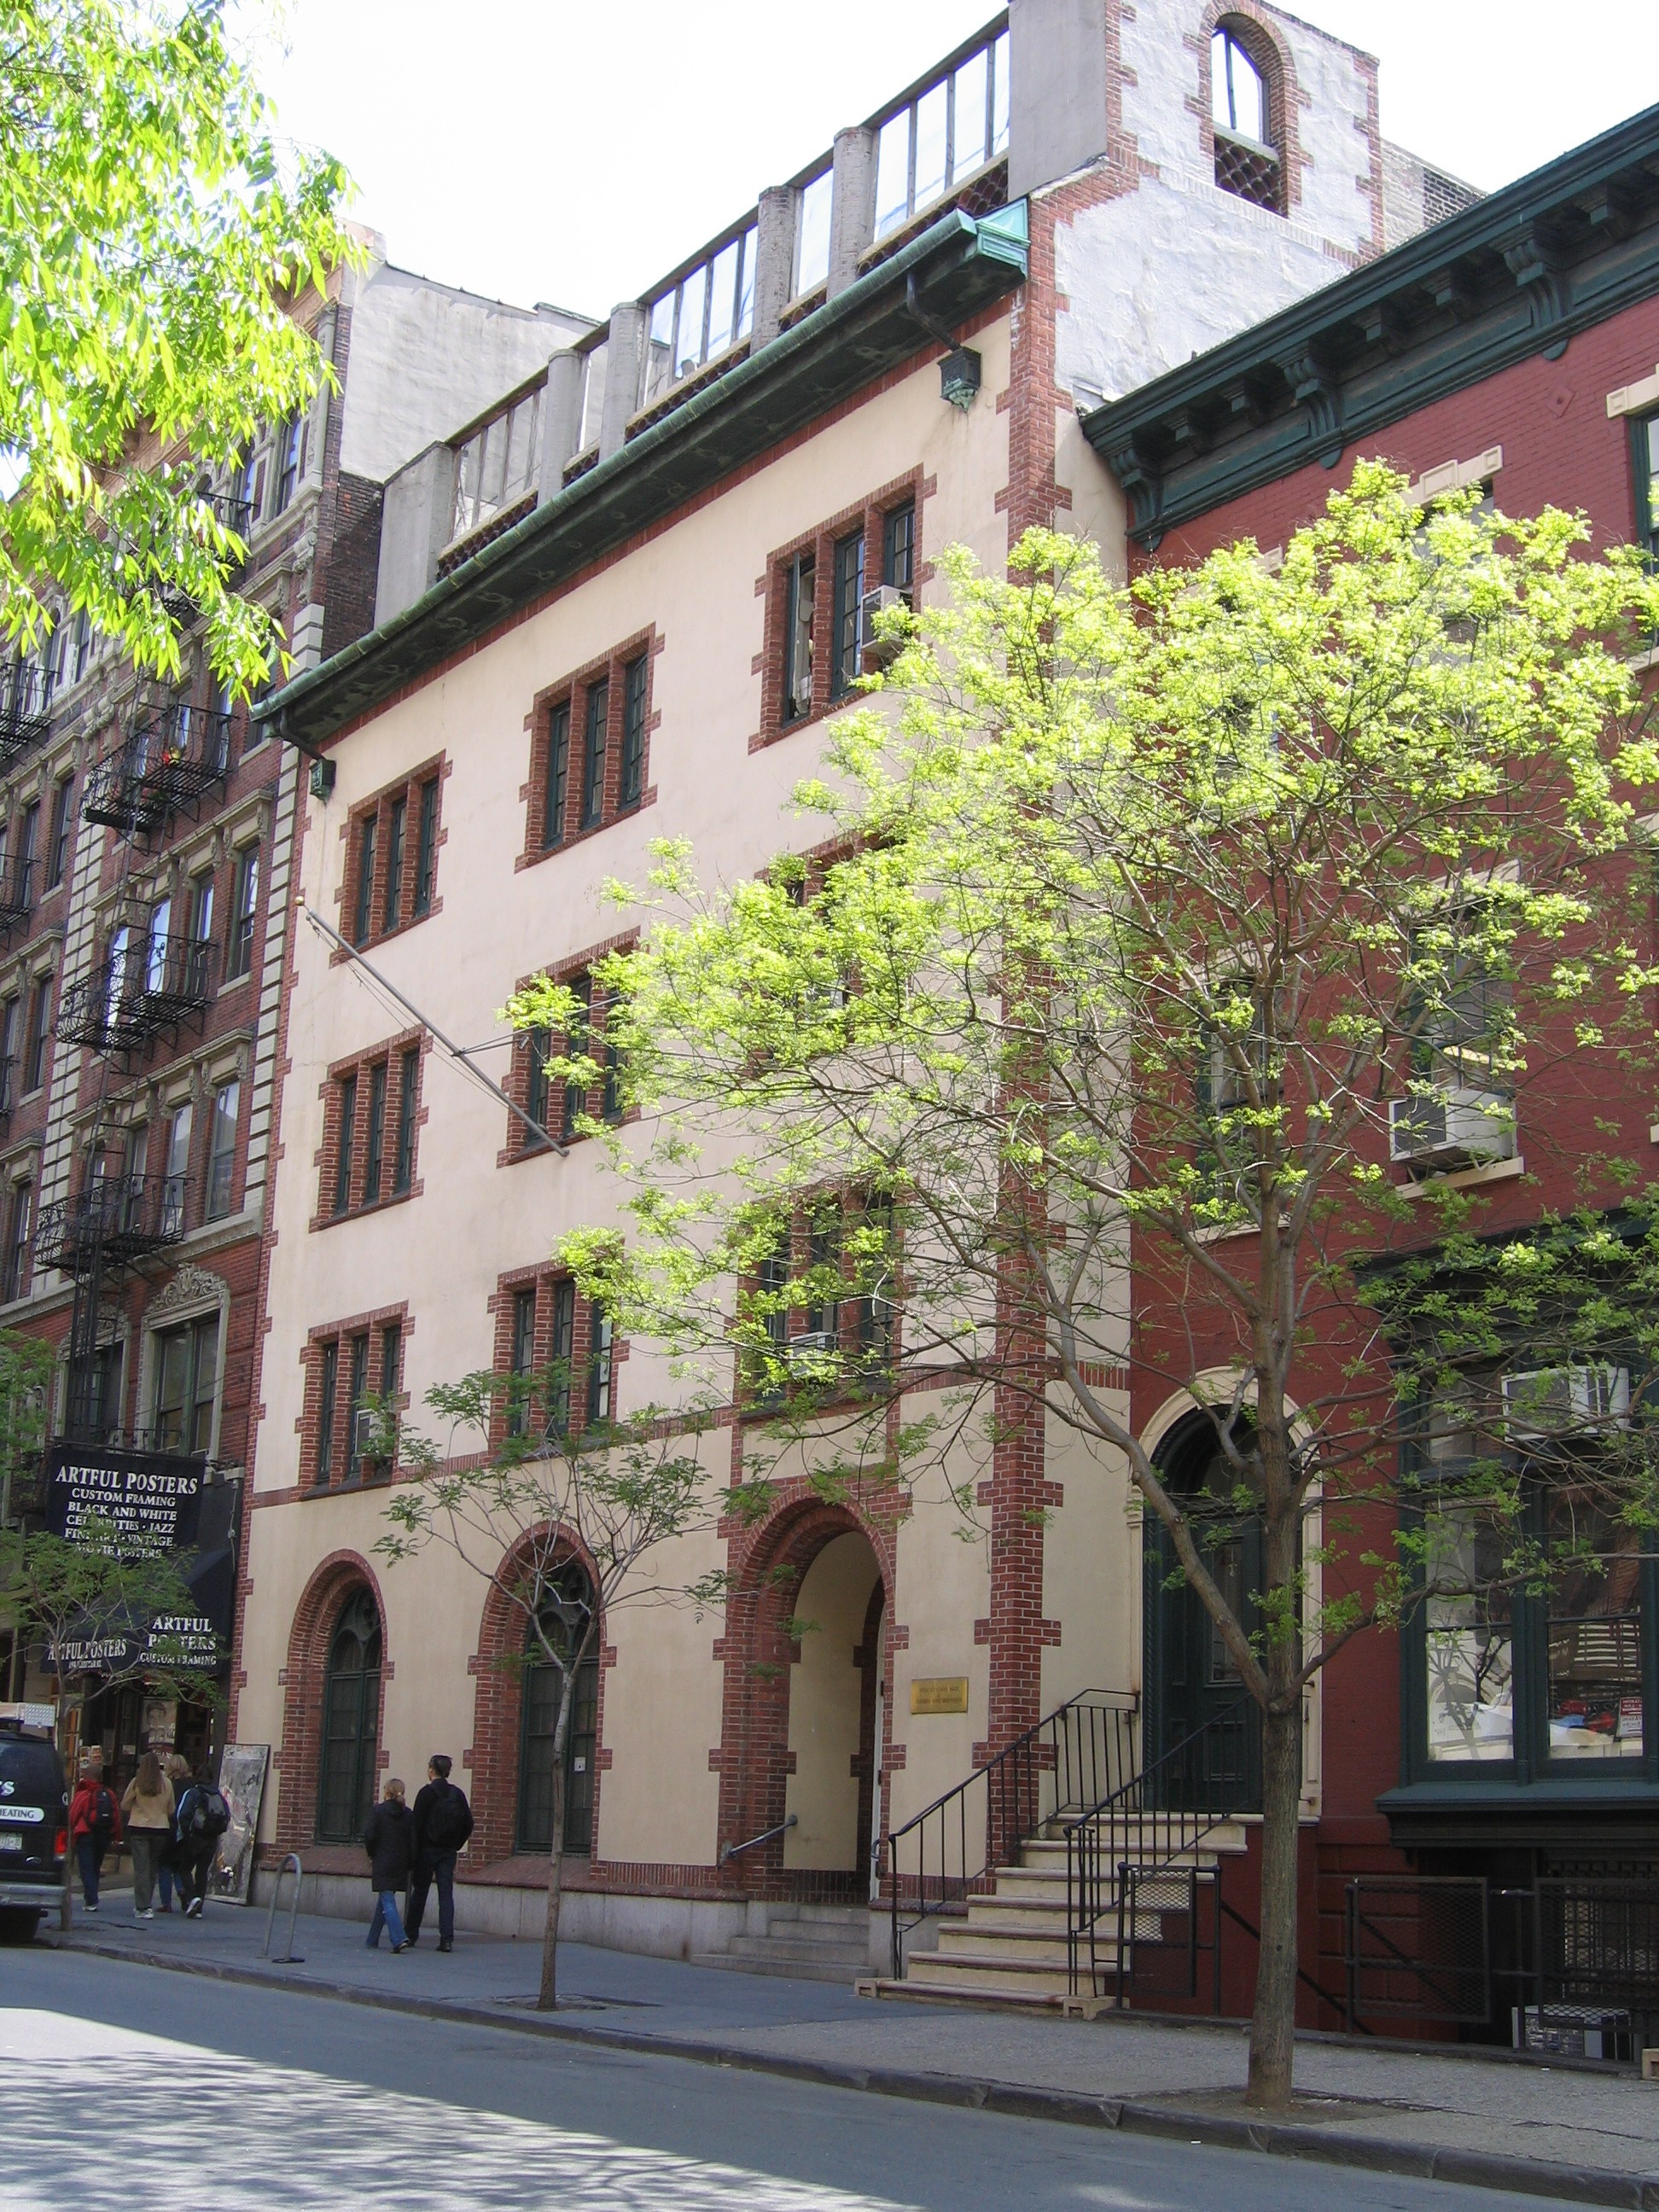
<point x="1153" y="1826"/>
<point x="116" y="1218"/>
<point x="136" y="996"/>
<point x="1569" y="1966"/>
<point x="8" y="1086"/>
<point x="1080" y="1752"/>
<point x="172" y="758"/>
<point x="25" y="710"/>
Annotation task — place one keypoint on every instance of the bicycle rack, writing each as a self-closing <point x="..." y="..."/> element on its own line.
<point x="287" y="1958"/>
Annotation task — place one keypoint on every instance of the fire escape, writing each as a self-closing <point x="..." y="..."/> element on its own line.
<point x="151" y="985"/>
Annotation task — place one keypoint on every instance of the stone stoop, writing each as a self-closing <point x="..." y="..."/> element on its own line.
<point x="1010" y="1948"/>
<point x="804" y="1942"/>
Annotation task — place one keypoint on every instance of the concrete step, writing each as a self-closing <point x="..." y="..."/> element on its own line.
<point x="981" y="1970"/>
<point x="855" y="1933"/>
<point x="852" y="1955"/>
<point x="815" y="1968"/>
<point x="1046" y="1944"/>
<point x="1150" y="1838"/>
<point x="850" y="1916"/>
<point x="989" y="1996"/>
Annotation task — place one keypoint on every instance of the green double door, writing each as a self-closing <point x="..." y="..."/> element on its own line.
<point x="1202" y="1740"/>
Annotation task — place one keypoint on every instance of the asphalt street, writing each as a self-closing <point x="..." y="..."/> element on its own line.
<point x="122" y="2084"/>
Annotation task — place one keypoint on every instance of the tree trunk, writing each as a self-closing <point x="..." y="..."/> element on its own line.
<point x="1272" y="2023"/>
<point x="547" y="2000"/>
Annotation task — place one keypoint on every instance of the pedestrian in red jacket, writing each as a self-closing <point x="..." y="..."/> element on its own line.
<point x="94" y="1824"/>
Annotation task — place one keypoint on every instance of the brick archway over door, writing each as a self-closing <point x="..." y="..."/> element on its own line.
<point x="492" y="1783"/>
<point x="330" y="1584"/>
<point x="754" y="1757"/>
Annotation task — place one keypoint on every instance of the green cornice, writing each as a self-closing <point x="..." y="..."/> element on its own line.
<point x="959" y="265"/>
<point x="1516" y="274"/>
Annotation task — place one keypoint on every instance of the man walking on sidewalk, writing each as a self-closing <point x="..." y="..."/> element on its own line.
<point x="443" y="1822"/>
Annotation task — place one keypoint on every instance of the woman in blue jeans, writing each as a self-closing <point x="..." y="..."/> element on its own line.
<point x="389" y="1839"/>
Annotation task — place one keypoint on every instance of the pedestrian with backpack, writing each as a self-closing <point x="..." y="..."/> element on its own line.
<point x="204" y="1816"/>
<point x="178" y="1773"/>
<point x="94" y="1824"/>
<point x="443" y="1822"/>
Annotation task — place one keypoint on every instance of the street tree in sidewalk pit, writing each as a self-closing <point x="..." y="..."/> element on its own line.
<point x="103" y="1621"/>
<point x="1143" y="918"/>
<point x="521" y="1488"/>
<point x="154" y="237"/>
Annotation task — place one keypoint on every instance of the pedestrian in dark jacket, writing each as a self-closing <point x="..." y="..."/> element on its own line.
<point x="389" y="1839"/>
<point x="201" y="1818"/>
<point x="443" y="1822"/>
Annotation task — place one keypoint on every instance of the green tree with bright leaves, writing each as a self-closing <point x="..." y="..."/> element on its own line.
<point x="154" y="237"/>
<point x="1151" y="910"/>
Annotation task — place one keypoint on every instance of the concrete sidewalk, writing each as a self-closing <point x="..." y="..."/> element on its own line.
<point x="1555" y="2130"/>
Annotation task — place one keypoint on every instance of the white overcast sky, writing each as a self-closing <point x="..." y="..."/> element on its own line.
<point x="539" y="149"/>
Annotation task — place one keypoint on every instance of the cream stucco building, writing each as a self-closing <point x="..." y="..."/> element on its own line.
<point x="588" y="635"/>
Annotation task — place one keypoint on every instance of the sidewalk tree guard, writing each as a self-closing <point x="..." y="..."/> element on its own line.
<point x="1135" y="908"/>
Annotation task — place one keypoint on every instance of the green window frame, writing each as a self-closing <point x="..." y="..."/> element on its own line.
<point x="1645" y="456"/>
<point x="1505" y="1683"/>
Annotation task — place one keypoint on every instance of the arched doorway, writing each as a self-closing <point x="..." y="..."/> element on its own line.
<point x="835" y="1728"/>
<point x="351" y="1721"/>
<point x="563" y="1621"/>
<point x="1202" y="1745"/>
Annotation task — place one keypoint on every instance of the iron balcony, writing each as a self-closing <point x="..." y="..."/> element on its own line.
<point x="129" y="999"/>
<point x="8" y="1087"/>
<point x="16" y="894"/>
<point x="25" y="711"/>
<point x="116" y="1219"/>
<point x="172" y="758"/>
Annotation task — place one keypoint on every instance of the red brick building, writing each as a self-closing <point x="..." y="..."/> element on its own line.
<point x="1513" y="348"/>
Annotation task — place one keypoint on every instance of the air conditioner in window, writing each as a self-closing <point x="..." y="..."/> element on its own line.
<point x="878" y="653"/>
<point x="809" y="1351"/>
<point x="366" y="1433"/>
<point x="1446" y="1127"/>
<point x="1551" y="1401"/>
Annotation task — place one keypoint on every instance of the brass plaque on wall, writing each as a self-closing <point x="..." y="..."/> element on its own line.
<point x="942" y="1693"/>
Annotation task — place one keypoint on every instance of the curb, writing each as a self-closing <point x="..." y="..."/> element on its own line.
<point x="1374" y="2155"/>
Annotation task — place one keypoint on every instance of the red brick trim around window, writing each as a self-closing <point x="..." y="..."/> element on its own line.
<point x="297" y="1759"/>
<point x="558" y="723"/>
<point x="353" y="1080"/>
<point x="521" y="1080"/>
<point x="326" y="1443"/>
<point x="868" y="517"/>
<point x="408" y="842"/>
<point x="498" y="1711"/>
<point x="545" y="1282"/>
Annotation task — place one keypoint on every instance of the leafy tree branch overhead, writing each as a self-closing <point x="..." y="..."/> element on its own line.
<point x="154" y="236"/>
<point x="1138" y="946"/>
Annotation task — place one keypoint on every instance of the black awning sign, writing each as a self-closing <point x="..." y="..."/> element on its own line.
<point x="141" y="1505"/>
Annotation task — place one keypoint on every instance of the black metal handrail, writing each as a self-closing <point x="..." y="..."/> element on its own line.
<point x="130" y="998"/>
<point x="172" y="757"/>
<point x="1069" y="1760"/>
<point x="736" y="1851"/>
<point x="119" y="1217"/>
<point x="1153" y="1821"/>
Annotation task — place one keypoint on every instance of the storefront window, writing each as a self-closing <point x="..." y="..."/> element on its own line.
<point x="1471" y="1651"/>
<point x="1595" y="1633"/>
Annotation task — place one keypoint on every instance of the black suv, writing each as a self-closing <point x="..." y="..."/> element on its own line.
<point x="33" y="1829"/>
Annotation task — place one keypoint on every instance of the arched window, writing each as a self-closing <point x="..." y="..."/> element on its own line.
<point x="1242" y="108"/>
<point x="351" y="1715"/>
<point x="564" y="1619"/>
